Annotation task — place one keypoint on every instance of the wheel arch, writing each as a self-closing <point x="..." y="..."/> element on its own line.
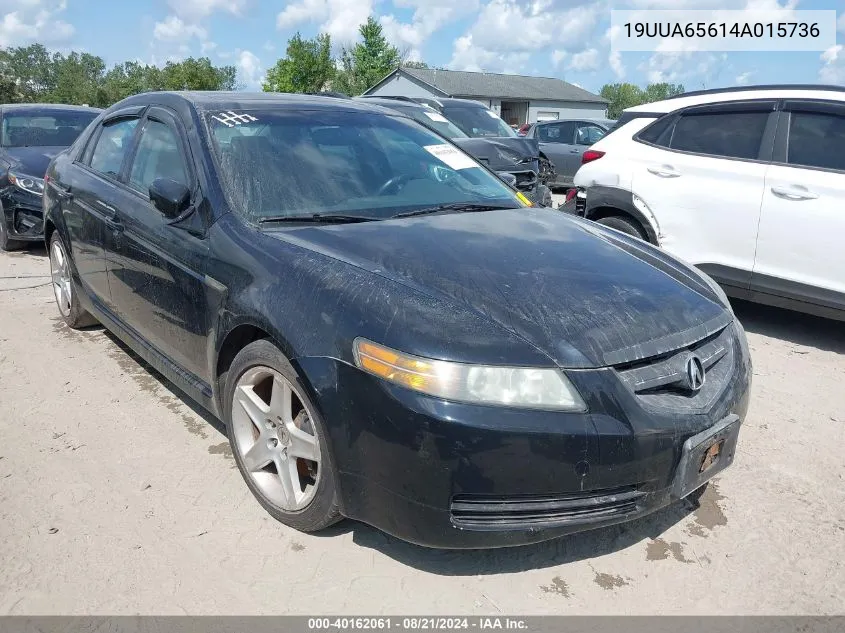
<point x="603" y="202"/>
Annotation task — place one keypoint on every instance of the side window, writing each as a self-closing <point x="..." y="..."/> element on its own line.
<point x="728" y="134"/>
<point x="158" y="156"/>
<point x="557" y="132"/>
<point x="587" y="134"/>
<point x="816" y="139"/>
<point x="111" y="146"/>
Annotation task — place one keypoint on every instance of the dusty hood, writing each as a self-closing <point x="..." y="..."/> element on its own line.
<point x="582" y="299"/>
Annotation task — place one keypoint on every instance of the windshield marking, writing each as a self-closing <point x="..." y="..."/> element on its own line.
<point x="451" y="156"/>
<point x="231" y="119"/>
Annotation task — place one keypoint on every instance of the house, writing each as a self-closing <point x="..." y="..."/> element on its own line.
<point x="516" y="98"/>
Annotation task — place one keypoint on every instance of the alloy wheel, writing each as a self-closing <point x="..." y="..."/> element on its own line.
<point x="60" y="274"/>
<point x="275" y="438"/>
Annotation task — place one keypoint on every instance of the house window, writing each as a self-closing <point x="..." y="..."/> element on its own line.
<point x="547" y="115"/>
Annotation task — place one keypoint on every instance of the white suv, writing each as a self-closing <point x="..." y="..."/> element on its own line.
<point x="748" y="184"/>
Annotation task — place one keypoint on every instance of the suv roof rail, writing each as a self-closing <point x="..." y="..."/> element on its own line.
<point x="713" y="91"/>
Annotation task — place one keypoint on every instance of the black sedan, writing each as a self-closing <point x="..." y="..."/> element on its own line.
<point x="388" y="332"/>
<point x="30" y="136"/>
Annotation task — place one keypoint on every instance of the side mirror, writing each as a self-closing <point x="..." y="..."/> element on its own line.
<point x="507" y="177"/>
<point x="170" y="197"/>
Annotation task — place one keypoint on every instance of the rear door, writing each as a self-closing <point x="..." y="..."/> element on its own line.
<point x="87" y="189"/>
<point x="156" y="265"/>
<point x="702" y="177"/>
<point x="556" y="142"/>
<point x="799" y="249"/>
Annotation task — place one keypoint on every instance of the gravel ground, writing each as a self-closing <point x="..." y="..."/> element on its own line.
<point x="118" y="496"/>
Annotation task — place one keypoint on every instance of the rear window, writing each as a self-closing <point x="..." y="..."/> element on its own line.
<point x="816" y="139"/>
<point x="727" y="134"/>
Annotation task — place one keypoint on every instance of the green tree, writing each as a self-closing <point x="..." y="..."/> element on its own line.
<point x="367" y="62"/>
<point x="31" y="69"/>
<point x="198" y="74"/>
<point x="129" y="78"/>
<point x="626" y="95"/>
<point x="78" y="79"/>
<point x="414" y="64"/>
<point x="307" y="66"/>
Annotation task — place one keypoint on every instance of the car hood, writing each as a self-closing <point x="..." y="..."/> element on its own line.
<point x="487" y="150"/>
<point x="32" y="161"/>
<point x="579" y="296"/>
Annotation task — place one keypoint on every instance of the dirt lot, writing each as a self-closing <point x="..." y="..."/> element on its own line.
<point x="117" y="496"/>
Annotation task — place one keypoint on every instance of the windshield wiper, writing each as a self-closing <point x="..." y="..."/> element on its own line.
<point x="316" y="218"/>
<point x="455" y="206"/>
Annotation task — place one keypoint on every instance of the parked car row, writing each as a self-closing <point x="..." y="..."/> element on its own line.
<point x="387" y="330"/>
<point x="30" y="136"/>
<point x="747" y="184"/>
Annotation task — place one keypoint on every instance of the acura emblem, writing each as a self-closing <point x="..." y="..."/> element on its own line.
<point x="695" y="373"/>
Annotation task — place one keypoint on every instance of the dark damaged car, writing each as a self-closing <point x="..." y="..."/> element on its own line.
<point x="480" y="132"/>
<point x="30" y="136"/>
<point x="386" y="331"/>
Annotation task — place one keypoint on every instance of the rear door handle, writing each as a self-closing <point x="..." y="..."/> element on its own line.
<point x="62" y="192"/>
<point x="664" y="171"/>
<point x="794" y="192"/>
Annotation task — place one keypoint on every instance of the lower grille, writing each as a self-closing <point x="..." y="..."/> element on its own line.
<point x="501" y="513"/>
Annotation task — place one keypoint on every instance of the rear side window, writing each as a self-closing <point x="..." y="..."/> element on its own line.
<point x="656" y="132"/>
<point x="816" y="139"/>
<point x="112" y="145"/>
<point x="556" y="132"/>
<point x="728" y="134"/>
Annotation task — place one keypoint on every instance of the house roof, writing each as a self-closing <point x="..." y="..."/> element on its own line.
<point x="455" y="83"/>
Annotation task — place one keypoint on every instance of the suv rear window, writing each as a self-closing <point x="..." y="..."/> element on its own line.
<point x="728" y="134"/>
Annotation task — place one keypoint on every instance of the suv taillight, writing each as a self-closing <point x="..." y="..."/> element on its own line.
<point x="590" y="155"/>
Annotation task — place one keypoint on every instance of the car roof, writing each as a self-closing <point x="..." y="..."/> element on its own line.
<point x="781" y="91"/>
<point x="48" y="106"/>
<point x="231" y="100"/>
<point x="394" y="102"/>
<point x="605" y="122"/>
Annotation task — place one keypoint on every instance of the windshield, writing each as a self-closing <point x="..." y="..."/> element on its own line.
<point x="280" y="162"/>
<point x="44" y="128"/>
<point x="477" y="122"/>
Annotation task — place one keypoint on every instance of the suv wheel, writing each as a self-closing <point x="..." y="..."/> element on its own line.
<point x="623" y="225"/>
<point x="278" y="439"/>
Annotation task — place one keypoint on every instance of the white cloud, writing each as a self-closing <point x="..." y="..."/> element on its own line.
<point x="429" y="16"/>
<point x="558" y="56"/>
<point x="614" y="60"/>
<point x="197" y="9"/>
<point x="467" y="56"/>
<point x="339" y="18"/>
<point x="681" y="66"/>
<point x="250" y="70"/>
<point x="833" y="70"/>
<point x="743" y="79"/>
<point x="174" y="28"/>
<point x="32" y="21"/>
<point x="585" y="60"/>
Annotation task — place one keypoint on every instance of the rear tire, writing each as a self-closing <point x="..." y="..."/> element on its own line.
<point x="64" y="287"/>
<point x="623" y="225"/>
<point x="6" y="243"/>
<point x="269" y="437"/>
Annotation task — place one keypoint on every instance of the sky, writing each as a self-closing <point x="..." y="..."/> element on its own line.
<point x="567" y="39"/>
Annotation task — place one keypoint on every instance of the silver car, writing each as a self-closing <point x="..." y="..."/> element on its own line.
<point x="563" y="142"/>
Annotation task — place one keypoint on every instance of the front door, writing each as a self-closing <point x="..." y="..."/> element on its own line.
<point x="799" y="249"/>
<point x="156" y="265"/>
<point x="556" y="143"/>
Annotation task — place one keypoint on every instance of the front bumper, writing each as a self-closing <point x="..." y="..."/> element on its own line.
<point x="452" y="475"/>
<point x="23" y="215"/>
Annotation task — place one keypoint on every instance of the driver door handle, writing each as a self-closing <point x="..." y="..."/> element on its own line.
<point x="794" y="192"/>
<point x="664" y="171"/>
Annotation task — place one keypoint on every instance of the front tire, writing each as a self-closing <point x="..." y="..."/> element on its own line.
<point x="279" y="440"/>
<point x="623" y="225"/>
<point x="64" y="288"/>
<point x="6" y="243"/>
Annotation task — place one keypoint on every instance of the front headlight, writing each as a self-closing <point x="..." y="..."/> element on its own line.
<point x="26" y="183"/>
<point x="523" y="387"/>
